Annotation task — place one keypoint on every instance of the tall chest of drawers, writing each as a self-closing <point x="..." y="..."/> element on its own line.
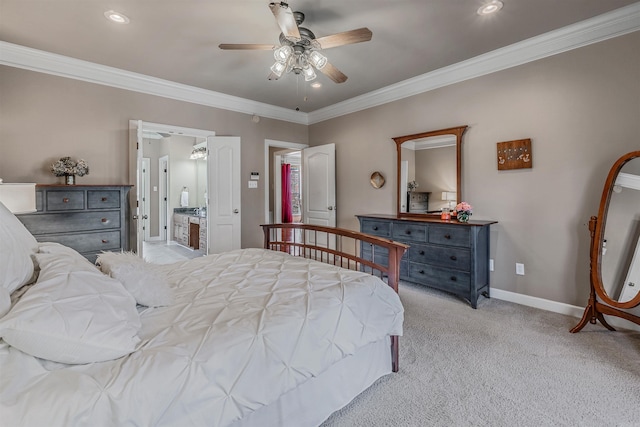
<point x="87" y="218"/>
<point x="446" y="255"/>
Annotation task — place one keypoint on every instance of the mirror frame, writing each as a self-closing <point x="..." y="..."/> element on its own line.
<point x="458" y="131"/>
<point x="598" y="238"/>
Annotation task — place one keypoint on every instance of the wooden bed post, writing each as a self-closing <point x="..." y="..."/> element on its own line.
<point x="312" y="250"/>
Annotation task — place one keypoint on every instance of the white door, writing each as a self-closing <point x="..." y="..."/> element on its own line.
<point x="137" y="217"/>
<point x="319" y="185"/>
<point x="163" y="197"/>
<point x="404" y="180"/>
<point x="223" y="189"/>
<point x="145" y="205"/>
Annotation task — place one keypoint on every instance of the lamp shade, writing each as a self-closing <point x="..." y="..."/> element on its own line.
<point x="18" y="198"/>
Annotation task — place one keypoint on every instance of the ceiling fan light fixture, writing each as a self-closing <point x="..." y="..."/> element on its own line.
<point x="317" y="59"/>
<point x="308" y="73"/>
<point x="283" y="53"/>
<point x="278" y="68"/>
<point x="489" y="8"/>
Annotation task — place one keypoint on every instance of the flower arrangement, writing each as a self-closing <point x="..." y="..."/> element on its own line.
<point x="463" y="211"/>
<point x="67" y="166"/>
<point x="412" y="185"/>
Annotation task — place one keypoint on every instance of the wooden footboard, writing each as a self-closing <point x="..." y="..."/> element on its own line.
<point x="344" y="248"/>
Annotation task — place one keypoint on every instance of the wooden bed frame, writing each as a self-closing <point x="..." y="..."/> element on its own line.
<point x="341" y="247"/>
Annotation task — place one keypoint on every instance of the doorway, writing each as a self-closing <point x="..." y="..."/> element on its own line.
<point x="271" y="147"/>
<point x="170" y="169"/>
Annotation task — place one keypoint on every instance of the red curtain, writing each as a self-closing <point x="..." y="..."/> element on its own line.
<point x="287" y="214"/>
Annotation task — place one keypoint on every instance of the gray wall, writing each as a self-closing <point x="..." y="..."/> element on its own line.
<point x="581" y="110"/>
<point x="44" y="117"/>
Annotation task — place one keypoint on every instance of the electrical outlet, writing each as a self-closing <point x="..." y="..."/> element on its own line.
<point x="490" y="264"/>
<point x="519" y="269"/>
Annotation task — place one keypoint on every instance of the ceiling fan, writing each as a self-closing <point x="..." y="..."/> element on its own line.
<point x="299" y="49"/>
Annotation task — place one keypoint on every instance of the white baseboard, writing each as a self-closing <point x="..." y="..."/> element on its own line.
<point x="557" y="307"/>
<point x="154" y="239"/>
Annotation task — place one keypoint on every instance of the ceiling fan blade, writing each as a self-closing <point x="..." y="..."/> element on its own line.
<point x="231" y="46"/>
<point x="333" y="73"/>
<point x="286" y="20"/>
<point x="347" y="37"/>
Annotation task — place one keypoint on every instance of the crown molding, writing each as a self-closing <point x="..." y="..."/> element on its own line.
<point x="27" y="58"/>
<point x="609" y="25"/>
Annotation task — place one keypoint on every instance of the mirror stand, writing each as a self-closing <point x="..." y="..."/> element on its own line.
<point x="609" y="294"/>
<point x="595" y="309"/>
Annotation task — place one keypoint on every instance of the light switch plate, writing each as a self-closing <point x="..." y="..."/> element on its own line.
<point x="253" y="184"/>
<point x="519" y="269"/>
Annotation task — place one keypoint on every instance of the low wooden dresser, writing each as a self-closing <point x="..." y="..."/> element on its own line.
<point x="87" y="218"/>
<point x="446" y="255"/>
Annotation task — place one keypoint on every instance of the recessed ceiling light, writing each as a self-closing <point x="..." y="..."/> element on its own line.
<point x="316" y="85"/>
<point x="117" y="17"/>
<point x="490" y="7"/>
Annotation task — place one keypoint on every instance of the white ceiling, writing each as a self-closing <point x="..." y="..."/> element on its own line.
<point x="177" y="40"/>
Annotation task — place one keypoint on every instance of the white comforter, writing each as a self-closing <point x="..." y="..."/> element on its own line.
<point x="246" y="327"/>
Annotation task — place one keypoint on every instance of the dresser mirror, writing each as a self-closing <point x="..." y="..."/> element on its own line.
<point x="615" y="246"/>
<point x="429" y="171"/>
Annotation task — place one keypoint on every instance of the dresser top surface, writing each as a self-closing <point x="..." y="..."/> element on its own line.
<point x="429" y="219"/>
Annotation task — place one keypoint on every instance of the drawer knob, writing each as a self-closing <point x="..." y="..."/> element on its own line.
<point x="453" y="257"/>
<point x="447" y="236"/>
<point x="105" y="241"/>
<point x="454" y="279"/>
<point x="65" y="200"/>
<point x="375" y="228"/>
<point x="104" y="199"/>
<point x="408" y="232"/>
<point x="421" y="271"/>
<point x="104" y="220"/>
<point x="421" y="252"/>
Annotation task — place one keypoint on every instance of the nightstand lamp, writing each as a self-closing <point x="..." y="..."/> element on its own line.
<point x="18" y="198"/>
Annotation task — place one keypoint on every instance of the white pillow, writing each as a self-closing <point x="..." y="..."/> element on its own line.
<point x="17" y="246"/>
<point x="73" y="314"/>
<point x="72" y="255"/>
<point x="145" y="281"/>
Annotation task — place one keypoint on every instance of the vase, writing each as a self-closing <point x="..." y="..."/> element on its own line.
<point x="70" y="179"/>
<point x="463" y="216"/>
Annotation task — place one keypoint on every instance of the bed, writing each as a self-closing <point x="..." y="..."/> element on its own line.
<point x="277" y="336"/>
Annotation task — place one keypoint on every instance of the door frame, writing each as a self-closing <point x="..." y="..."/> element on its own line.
<point x="136" y="129"/>
<point x="268" y="143"/>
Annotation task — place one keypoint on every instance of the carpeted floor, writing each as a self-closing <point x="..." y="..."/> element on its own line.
<point x="503" y="364"/>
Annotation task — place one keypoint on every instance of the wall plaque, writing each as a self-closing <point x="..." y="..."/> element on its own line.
<point x="515" y="154"/>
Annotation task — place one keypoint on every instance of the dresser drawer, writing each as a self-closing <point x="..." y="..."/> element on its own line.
<point x="67" y="200"/>
<point x="86" y="242"/>
<point x="441" y="278"/>
<point x="376" y="228"/>
<point x="443" y="256"/>
<point x="378" y="254"/>
<point x="70" y="222"/>
<point x="104" y="199"/>
<point x="454" y="236"/>
<point x="407" y="231"/>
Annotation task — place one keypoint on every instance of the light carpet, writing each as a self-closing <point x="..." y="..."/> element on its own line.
<point x="503" y="364"/>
